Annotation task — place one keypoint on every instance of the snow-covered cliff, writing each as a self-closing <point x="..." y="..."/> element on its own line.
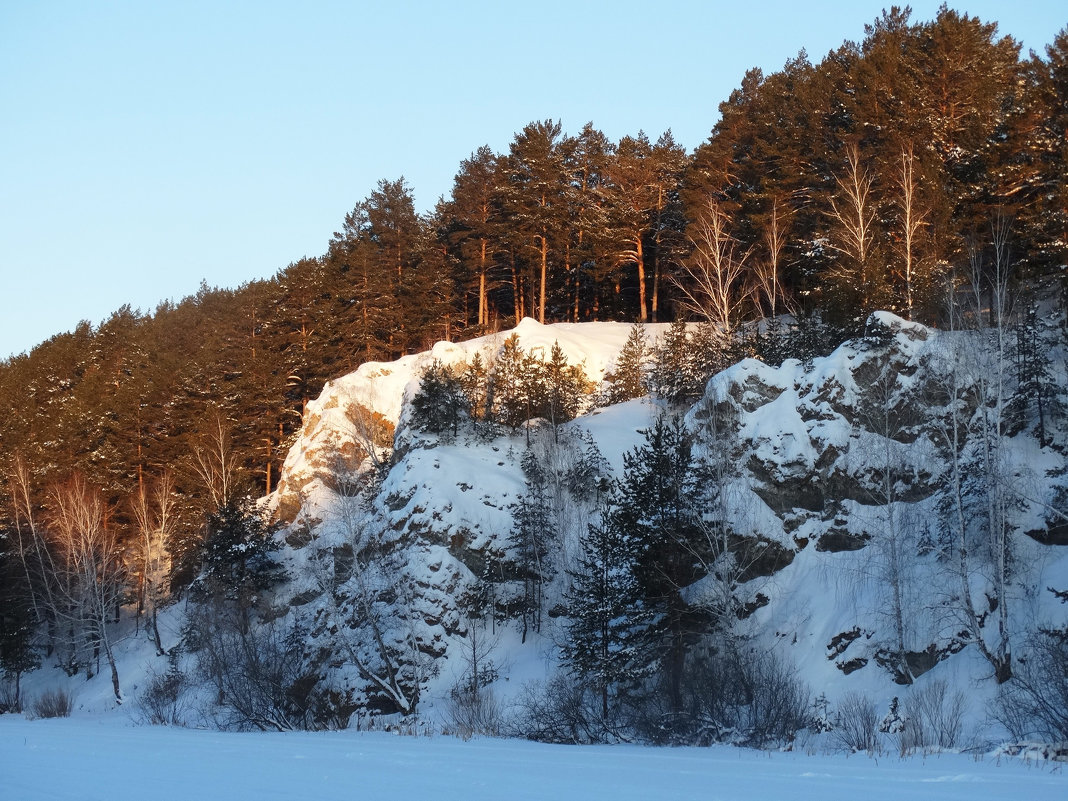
<point x="835" y="480"/>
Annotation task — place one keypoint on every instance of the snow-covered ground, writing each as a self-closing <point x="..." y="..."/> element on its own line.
<point x="107" y="758"/>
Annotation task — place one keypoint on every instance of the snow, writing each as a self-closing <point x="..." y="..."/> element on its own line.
<point x="107" y="758"/>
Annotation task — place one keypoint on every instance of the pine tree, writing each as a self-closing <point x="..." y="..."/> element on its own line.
<point x="472" y="219"/>
<point x="18" y="623"/>
<point x="538" y="201"/>
<point x="474" y="381"/>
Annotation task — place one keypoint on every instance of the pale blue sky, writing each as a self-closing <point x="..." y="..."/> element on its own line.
<point x="149" y="145"/>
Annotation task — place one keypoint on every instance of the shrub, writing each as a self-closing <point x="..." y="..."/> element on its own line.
<point x="256" y="670"/>
<point x="163" y="701"/>
<point x="934" y="718"/>
<point x="55" y="703"/>
<point x="740" y="694"/>
<point x="857" y="725"/>
<point x="561" y="710"/>
<point x="470" y="713"/>
<point x="1035" y="702"/>
<point x="9" y="698"/>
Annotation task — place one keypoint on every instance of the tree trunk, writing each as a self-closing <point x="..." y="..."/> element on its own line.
<point x="544" y="276"/>
<point x="643" y="315"/>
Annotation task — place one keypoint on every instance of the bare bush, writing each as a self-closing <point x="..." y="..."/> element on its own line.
<point x="474" y="714"/>
<point x="856" y="725"/>
<point x="255" y="669"/>
<point x="55" y="703"/>
<point x="934" y="718"/>
<point x="9" y="697"/>
<point x="1035" y="703"/>
<point x="164" y="701"/>
<point x="740" y="694"/>
<point x="561" y="710"/>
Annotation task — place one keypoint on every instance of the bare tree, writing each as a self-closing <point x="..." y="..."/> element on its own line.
<point x="981" y="491"/>
<point x="853" y="213"/>
<point x="216" y="464"/>
<point x="913" y="220"/>
<point x="767" y="272"/>
<point x="883" y="465"/>
<point x="370" y="601"/>
<point x="154" y="515"/>
<point x="32" y="551"/>
<point x="709" y="278"/>
<point x="89" y="578"/>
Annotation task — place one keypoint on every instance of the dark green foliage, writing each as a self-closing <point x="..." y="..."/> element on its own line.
<point x="1038" y="398"/>
<point x="626" y="380"/>
<point x="18" y="624"/>
<point x="530" y="541"/>
<point x="440" y="404"/>
<point x="236" y="561"/>
<point x="682" y="363"/>
<point x="524" y="387"/>
<point x="589" y="478"/>
<point x="660" y="499"/>
<point x="573" y="228"/>
<point x="607" y="611"/>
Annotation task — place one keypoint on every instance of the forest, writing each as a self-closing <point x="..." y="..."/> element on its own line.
<point x="877" y="178"/>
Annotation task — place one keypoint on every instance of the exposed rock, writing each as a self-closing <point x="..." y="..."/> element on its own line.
<point x="837" y="541"/>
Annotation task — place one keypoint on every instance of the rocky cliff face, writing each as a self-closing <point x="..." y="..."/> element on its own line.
<point x="850" y="486"/>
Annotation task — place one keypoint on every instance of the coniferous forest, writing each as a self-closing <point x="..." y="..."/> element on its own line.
<point x="875" y="178"/>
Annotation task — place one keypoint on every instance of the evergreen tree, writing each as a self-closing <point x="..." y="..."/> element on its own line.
<point x="474" y="381"/>
<point x="661" y="496"/>
<point x="537" y="199"/>
<point x="440" y="403"/>
<point x="531" y="536"/>
<point x="18" y="624"/>
<point x="607" y="611"/>
<point x="472" y="218"/>
<point x="679" y="370"/>
<point x="565" y="386"/>
<point x="626" y="380"/>
<point x="505" y="402"/>
<point x="237" y="563"/>
<point x="1037" y="395"/>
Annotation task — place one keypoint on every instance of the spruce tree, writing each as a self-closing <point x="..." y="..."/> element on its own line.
<point x="661" y="495"/>
<point x="678" y="374"/>
<point x="565" y="385"/>
<point x="607" y="611"/>
<point x="505" y="402"/>
<point x="626" y="380"/>
<point x="440" y="404"/>
<point x="532" y="533"/>
<point x="237" y="555"/>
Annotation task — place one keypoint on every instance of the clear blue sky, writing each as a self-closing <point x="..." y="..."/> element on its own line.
<point x="148" y="145"/>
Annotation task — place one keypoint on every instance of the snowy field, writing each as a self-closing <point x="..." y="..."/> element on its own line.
<point x="107" y="758"/>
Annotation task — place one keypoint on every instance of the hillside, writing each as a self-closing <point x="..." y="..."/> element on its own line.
<point x="829" y="479"/>
<point x="828" y="561"/>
